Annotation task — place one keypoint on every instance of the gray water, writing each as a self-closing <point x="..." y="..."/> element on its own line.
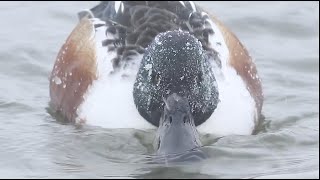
<point x="283" y="37"/>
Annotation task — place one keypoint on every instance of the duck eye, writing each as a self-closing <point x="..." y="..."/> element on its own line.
<point x="199" y="78"/>
<point x="155" y="77"/>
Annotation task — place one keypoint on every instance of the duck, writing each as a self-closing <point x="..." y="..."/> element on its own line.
<point x="164" y="65"/>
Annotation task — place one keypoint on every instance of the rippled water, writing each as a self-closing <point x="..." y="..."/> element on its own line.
<point x="282" y="36"/>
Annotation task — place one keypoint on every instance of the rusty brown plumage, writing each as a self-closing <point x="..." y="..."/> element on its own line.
<point x="74" y="70"/>
<point x="241" y="61"/>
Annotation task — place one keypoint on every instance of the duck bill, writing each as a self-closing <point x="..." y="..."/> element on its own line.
<point x="177" y="132"/>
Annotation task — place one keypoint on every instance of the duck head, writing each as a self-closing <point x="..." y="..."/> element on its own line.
<point x="175" y="90"/>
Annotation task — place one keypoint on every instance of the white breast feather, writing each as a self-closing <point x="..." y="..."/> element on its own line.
<point x="235" y="112"/>
<point x="109" y="101"/>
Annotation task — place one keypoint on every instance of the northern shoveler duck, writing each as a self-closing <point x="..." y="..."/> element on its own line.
<point x="157" y="64"/>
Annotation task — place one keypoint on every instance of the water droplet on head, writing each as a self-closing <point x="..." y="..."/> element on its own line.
<point x="148" y="66"/>
<point x="57" y="80"/>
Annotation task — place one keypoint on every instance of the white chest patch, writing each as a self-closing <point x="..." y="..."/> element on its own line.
<point x="236" y="111"/>
<point x="109" y="104"/>
<point x="109" y="101"/>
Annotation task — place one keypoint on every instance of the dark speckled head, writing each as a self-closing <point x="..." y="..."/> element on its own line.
<point x="175" y="62"/>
